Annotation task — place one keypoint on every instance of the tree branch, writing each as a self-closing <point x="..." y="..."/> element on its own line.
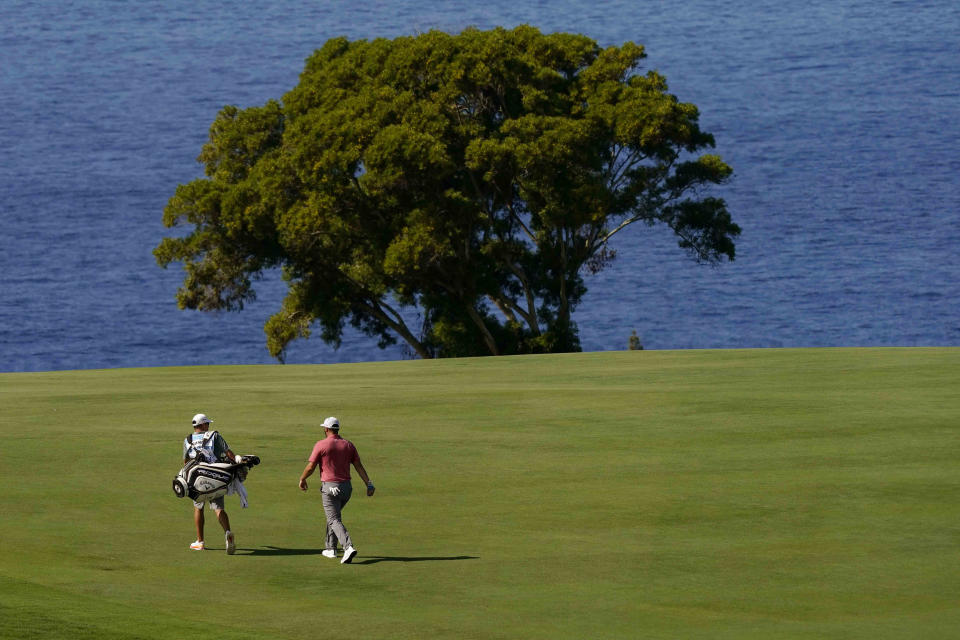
<point x="513" y="214"/>
<point x="530" y="315"/>
<point x="388" y="315"/>
<point x="631" y="161"/>
<point x="504" y="307"/>
<point x="399" y="326"/>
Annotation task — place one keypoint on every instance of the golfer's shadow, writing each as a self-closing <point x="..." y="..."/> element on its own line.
<point x="281" y="551"/>
<point x="376" y="559"/>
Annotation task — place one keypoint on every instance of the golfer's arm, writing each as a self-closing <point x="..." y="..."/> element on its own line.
<point x="363" y="472"/>
<point x="308" y="470"/>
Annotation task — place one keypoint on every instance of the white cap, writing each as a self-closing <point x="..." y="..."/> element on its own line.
<point x="201" y="419"/>
<point x="331" y="423"/>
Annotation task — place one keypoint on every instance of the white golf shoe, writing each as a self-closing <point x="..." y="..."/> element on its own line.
<point x="329" y="553"/>
<point x="348" y="554"/>
<point x="196" y="546"/>
<point x="231" y="544"/>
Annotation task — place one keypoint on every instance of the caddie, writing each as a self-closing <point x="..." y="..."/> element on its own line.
<point x="211" y="446"/>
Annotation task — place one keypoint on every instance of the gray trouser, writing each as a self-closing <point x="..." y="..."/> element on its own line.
<point x="332" y="506"/>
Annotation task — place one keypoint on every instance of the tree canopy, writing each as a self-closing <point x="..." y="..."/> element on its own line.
<point x="467" y="181"/>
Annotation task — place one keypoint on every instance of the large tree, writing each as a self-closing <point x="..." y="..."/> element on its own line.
<point x="464" y="180"/>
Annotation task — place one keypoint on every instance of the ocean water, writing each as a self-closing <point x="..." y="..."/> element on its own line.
<point x="840" y="118"/>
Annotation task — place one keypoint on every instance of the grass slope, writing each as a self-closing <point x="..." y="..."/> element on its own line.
<point x="699" y="494"/>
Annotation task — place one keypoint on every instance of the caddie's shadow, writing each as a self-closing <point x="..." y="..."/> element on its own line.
<point x="278" y="551"/>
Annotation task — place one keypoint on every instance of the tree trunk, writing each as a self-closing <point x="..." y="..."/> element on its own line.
<point x="487" y="336"/>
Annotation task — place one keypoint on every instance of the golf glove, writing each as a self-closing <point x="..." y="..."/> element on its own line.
<point x="334" y="491"/>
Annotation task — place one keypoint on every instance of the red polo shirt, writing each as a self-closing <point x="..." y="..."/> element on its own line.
<point x="335" y="456"/>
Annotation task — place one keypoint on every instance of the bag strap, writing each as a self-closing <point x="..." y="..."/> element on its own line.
<point x="203" y="442"/>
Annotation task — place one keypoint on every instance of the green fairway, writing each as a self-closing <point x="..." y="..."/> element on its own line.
<point x="685" y="494"/>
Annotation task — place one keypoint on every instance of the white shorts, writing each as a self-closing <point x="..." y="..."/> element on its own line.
<point x="216" y="504"/>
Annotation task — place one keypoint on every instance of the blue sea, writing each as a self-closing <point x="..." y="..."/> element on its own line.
<point x="841" y="119"/>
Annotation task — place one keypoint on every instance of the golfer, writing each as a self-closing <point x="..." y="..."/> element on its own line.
<point x="211" y="446"/>
<point x="335" y="455"/>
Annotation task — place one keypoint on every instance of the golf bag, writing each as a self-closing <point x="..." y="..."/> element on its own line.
<point x="202" y="481"/>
